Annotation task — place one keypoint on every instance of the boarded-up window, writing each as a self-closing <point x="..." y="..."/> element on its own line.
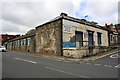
<point x="99" y="38"/>
<point x="90" y="38"/>
<point x="79" y="37"/>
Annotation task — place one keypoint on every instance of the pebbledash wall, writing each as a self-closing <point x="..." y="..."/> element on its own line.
<point x="66" y="36"/>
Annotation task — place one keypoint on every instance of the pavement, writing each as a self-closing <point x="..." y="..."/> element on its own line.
<point x="66" y="59"/>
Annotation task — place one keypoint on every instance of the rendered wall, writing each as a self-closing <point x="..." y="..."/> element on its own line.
<point x="69" y="28"/>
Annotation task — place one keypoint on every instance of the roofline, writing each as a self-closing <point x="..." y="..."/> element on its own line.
<point x="95" y="26"/>
<point x="60" y="17"/>
<point x="74" y="20"/>
<point x="21" y="37"/>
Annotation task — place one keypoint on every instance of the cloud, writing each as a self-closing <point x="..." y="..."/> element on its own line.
<point x="32" y="14"/>
<point x="101" y="11"/>
<point x="19" y="16"/>
<point x="10" y="27"/>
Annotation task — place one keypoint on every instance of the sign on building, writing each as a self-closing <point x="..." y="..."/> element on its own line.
<point x="69" y="44"/>
<point x="67" y="29"/>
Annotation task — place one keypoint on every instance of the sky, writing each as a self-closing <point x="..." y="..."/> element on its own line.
<point x="19" y="16"/>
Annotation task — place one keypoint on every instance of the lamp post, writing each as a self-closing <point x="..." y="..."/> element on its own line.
<point x="86" y="33"/>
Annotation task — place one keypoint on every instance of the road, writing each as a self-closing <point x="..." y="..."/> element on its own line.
<point x="23" y="66"/>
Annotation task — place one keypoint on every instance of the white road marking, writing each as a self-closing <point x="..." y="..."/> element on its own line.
<point x="97" y="64"/>
<point x="66" y="72"/>
<point x="25" y="60"/>
<point x="107" y="66"/>
<point x="66" y="61"/>
<point x="114" y="56"/>
<point x="118" y="66"/>
<point x="87" y="63"/>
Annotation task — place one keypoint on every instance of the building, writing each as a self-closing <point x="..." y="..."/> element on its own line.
<point x="6" y="37"/>
<point x="113" y="31"/>
<point x="23" y="43"/>
<point x="64" y="36"/>
<point x="117" y="26"/>
<point x="71" y="37"/>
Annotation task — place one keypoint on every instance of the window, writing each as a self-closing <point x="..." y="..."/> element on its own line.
<point x="28" y="41"/>
<point x="18" y="42"/>
<point x="14" y="43"/>
<point x="99" y="38"/>
<point x="11" y="44"/>
<point x="79" y="37"/>
<point x="111" y="38"/>
<point x="24" y="41"/>
<point x="8" y="37"/>
<point x="21" y="42"/>
<point x="90" y="38"/>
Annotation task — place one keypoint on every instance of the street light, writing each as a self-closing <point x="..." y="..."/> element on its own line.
<point x="86" y="34"/>
<point x="86" y="16"/>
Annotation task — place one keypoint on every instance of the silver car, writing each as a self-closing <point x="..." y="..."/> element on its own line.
<point x="2" y="49"/>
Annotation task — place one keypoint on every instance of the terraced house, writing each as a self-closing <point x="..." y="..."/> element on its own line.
<point x="64" y="36"/>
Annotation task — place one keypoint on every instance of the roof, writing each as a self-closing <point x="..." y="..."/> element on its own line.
<point x="56" y="18"/>
<point x="22" y="37"/>
<point x="81" y="21"/>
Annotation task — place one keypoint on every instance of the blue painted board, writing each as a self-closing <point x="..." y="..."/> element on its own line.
<point x="69" y="44"/>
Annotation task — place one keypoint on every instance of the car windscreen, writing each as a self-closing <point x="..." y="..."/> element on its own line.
<point x="2" y="47"/>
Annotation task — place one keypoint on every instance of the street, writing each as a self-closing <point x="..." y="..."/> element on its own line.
<point x="16" y="65"/>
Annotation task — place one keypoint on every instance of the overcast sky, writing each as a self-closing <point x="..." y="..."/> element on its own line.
<point x="19" y="16"/>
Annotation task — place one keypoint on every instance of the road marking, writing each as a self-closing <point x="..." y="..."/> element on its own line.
<point x="87" y="63"/>
<point x="97" y="64"/>
<point x="66" y="72"/>
<point x="107" y="66"/>
<point x="118" y="66"/>
<point x="114" y="56"/>
<point x="104" y="55"/>
<point x="25" y="60"/>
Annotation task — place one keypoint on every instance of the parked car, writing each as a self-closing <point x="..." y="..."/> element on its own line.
<point x="2" y="49"/>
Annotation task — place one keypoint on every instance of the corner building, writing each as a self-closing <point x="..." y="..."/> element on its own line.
<point x="71" y="37"/>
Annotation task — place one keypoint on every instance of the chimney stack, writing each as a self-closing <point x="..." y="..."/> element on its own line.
<point x="63" y="14"/>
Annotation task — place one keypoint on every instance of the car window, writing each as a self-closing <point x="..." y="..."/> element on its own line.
<point x="2" y="47"/>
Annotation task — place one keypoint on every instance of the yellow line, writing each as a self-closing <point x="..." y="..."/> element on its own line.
<point x="104" y="55"/>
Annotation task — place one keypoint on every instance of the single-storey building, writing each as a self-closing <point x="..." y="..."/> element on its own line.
<point x="64" y="36"/>
<point x="22" y="43"/>
<point x="71" y="37"/>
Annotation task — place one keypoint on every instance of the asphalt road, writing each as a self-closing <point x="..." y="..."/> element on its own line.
<point x="16" y="65"/>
